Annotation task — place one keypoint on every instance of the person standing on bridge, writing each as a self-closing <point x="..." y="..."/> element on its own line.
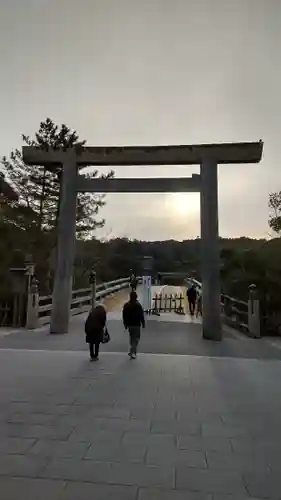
<point x="191" y="297"/>
<point x="133" y="320"/>
<point x="133" y="282"/>
<point x="94" y="329"/>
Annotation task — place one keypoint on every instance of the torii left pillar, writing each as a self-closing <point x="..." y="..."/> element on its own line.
<point x="62" y="292"/>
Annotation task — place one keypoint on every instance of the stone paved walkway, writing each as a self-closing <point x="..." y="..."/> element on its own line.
<point x="203" y="425"/>
<point x="163" y="426"/>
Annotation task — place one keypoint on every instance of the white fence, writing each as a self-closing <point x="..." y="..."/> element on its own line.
<point x="81" y="299"/>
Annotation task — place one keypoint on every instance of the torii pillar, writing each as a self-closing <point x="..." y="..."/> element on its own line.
<point x="210" y="251"/>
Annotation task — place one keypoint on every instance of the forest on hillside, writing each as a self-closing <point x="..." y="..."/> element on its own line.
<point x="29" y="213"/>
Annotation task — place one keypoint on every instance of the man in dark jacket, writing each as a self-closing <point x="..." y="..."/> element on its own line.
<point x="191" y="297"/>
<point x="133" y="319"/>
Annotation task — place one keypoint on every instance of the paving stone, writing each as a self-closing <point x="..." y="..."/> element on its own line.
<point x="125" y="425"/>
<point x="101" y="400"/>
<point x="176" y="427"/>
<point x="77" y="470"/>
<point x="15" y="445"/>
<point x="74" y="421"/>
<point x="111" y="412"/>
<point x="69" y="409"/>
<point x="57" y="399"/>
<point x="263" y="485"/>
<point x="192" y="415"/>
<point x="158" y="456"/>
<point x="43" y="408"/>
<point x="204" y="443"/>
<point x="12" y="408"/>
<point x="141" y="475"/>
<point x="96" y="436"/>
<point x="21" y="465"/>
<point x="234" y="497"/>
<point x="35" y="431"/>
<point x="209" y="481"/>
<point x="153" y="414"/>
<point x="157" y="494"/>
<point x="148" y="439"/>
<point x="237" y="462"/>
<point x="86" y="491"/>
<point x="14" y="488"/>
<point x="216" y="430"/>
<point x="255" y="445"/>
<point x="32" y="418"/>
<point x="64" y="449"/>
<point x="120" y="453"/>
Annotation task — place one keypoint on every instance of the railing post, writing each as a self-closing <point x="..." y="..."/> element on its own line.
<point x="254" y="313"/>
<point x="93" y="283"/>
<point x="32" y="305"/>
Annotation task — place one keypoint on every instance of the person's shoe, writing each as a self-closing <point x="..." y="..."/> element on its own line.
<point x="134" y="356"/>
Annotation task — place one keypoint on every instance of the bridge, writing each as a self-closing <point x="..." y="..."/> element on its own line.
<point x="190" y="418"/>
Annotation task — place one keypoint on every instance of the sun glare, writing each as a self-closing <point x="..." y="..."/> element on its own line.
<point x="182" y="204"/>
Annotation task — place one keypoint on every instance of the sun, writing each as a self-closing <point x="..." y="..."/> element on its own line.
<point x="182" y="204"/>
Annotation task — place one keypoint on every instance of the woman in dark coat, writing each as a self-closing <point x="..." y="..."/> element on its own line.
<point x="94" y="328"/>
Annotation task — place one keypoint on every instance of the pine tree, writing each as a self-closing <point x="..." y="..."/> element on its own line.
<point x="38" y="195"/>
<point x="38" y="187"/>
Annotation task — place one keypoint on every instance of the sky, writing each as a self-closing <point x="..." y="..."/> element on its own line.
<point x="152" y="72"/>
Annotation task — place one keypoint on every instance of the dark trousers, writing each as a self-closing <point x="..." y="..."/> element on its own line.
<point x="191" y="304"/>
<point x="94" y="349"/>
<point x="134" y="332"/>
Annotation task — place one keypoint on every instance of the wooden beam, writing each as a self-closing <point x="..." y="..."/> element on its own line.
<point x="139" y="185"/>
<point x="240" y="152"/>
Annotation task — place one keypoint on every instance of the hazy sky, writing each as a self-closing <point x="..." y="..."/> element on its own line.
<point x="152" y="72"/>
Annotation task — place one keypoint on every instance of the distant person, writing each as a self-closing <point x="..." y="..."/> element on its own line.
<point x="133" y="320"/>
<point x="133" y="282"/>
<point x="94" y="329"/>
<point x="191" y="297"/>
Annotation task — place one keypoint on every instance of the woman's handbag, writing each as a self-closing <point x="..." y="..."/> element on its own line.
<point x="105" y="337"/>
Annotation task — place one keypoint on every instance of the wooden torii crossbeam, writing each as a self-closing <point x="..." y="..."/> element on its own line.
<point x="208" y="156"/>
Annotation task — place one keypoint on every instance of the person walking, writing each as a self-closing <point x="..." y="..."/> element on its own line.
<point x="133" y="282"/>
<point x="191" y="297"/>
<point x="94" y="329"/>
<point x="133" y="320"/>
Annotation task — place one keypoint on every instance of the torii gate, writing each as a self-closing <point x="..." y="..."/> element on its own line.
<point x="208" y="156"/>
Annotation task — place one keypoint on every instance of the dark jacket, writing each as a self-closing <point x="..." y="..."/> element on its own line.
<point x="133" y="314"/>
<point x="95" y="324"/>
<point x="192" y="294"/>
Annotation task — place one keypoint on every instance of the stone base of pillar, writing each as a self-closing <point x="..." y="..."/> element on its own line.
<point x="212" y="333"/>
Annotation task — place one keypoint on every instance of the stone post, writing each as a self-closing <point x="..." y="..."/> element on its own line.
<point x="93" y="283"/>
<point x="210" y="251"/>
<point x="32" y="305"/>
<point x="62" y="291"/>
<point x="254" y="325"/>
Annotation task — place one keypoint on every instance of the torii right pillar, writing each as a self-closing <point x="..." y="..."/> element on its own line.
<point x="210" y="251"/>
